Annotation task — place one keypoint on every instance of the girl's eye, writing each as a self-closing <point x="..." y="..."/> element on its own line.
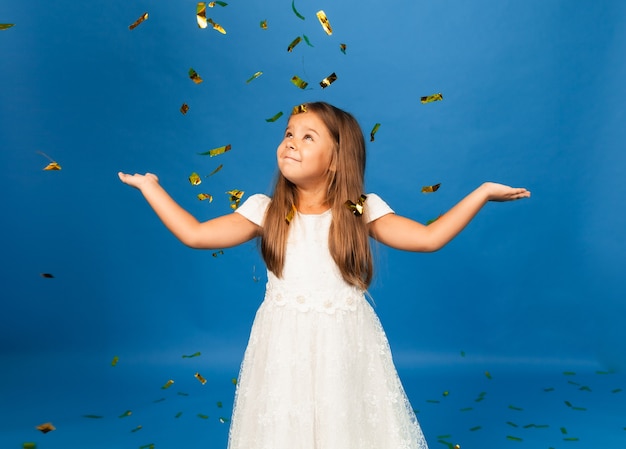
<point x="288" y="135"/>
<point x="308" y="137"/>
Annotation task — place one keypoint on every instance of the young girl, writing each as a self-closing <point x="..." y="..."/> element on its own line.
<point x="317" y="372"/>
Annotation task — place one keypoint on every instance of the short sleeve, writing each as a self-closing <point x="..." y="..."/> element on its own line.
<point x="375" y="207"/>
<point x="254" y="208"/>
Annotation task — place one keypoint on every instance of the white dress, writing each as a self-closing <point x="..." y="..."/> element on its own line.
<point x="317" y="372"/>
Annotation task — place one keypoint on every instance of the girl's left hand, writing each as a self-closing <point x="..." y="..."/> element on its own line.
<point x="500" y="192"/>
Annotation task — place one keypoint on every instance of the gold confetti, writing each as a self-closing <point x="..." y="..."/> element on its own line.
<point x="293" y="6"/>
<point x="299" y="82"/>
<point x="356" y="209"/>
<point x="184" y="108"/>
<point x="295" y="42"/>
<point x="343" y="48"/>
<point x="138" y="21"/>
<point x="205" y="196"/>
<point x="168" y="384"/>
<point x="126" y="414"/>
<point x="218" y="253"/>
<point x="275" y="117"/>
<point x="233" y="381"/>
<point x="194" y="179"/>
<point x="29" y="445"/>
<point x="137" y="429"/>
<point x="431" y="98"/>
<point x="46" y="427"/>
<point x="115" y="360"/>
<point x="194" y="76"/>
<point x="291" y="214"/>
<point x="374" y="131"/>
<point x="253" y="77"/>
<point x="216" y="170"/>
<point x="431" y="189"/>
<point x="212" y="4"/>
<point x="263" y="24"/>
<point x="217" y="26"/>
<point x="52" y="165"/>
<point x="6" y="26"/>
<point x="298" y="109"/>
<point x="201" y="15"/>
<point x="200" y="378"/>
<point x="324" y="21"/>
<point x="216" y="151"/>
<point x="328" y="80"/>
<point x="235" y="198"/>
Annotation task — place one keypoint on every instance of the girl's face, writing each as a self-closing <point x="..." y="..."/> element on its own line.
<point x="306" y="152"/>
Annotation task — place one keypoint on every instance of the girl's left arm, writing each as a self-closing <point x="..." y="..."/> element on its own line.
<point x="405" y="234"/>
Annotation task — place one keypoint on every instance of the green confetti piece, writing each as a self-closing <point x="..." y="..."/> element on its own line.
<point x="374" y="131"/>
<point x="585" y="388"/>
<point x="512" y="438"/>
<point x="126" y="414"/>
<point x="571" y="382"/>
<point x="308" y="42"/>
<point x="466" y="409"/>
<point x="217" y="2"/>
<point x="447" y="443"/>
<point x="617" y="390"/>
<point x="432" y="220"/>
<point x="549" y="389"/>
<point x="156" y="401"/>
<point x="115" y="360"/>
<point x="542" y="426"/>
<point x="475" y="428"/>
<point x="603" y="372"/>
<point x="147" y="446"/>
<point x="529" y="426"/>
<point x="136" y="429"/>
<point x="27" y="445"/>
<point x="234" y="381"/>
<point x="568" y="403"/>
<point x="569" y="373"/>
<point x="219" y="404"/>
<point x="200" y="415"/>
<point x="519" y="409"/>
<point x="432" y="401"/>
<point x="462" y="353"/>
<point x="488" y="375"/>
<point x="195" y="354"/>
<point x="443" y="437"/>
<point x="571" y="439"/>
<point x="512" y="424"/>
<point x="6" y="26"/>
<point x="93" y="416"/>
<point x="180" y="393"/>
<point x="445" y="393"/>
<point x="580" y="409"/>
<point x="563" y="430"/>
<point x="275" y="117"/>
<point x="178" y="415"/>
<point x="293" y="6"/>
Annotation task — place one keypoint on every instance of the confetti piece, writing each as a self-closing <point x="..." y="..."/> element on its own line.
<point x="563" y="430"/>
<point x="212" y="4"/>
<point x="293" y="44"/>
<point x="147" y="446"/>
<point x="200" y="378"/>
<point x="324" y="21"/>
<point x="219" y="404"/>
<point x="299" y="82"/>
<point x="343" y="48"/>
<point x="432" y="220"/>
<point x="466" y="409"/>
<point x="47" y="275"/>
<point x="235" y="198"/>
<point x="136" y="429"/>
<point x="216" y="151"/>
<point x="512" y="438"/>
<point x="604" y="372"/>
<point x="263" y="24"/>
<point x="568" y="403"/>
<point x="308" y="42"/>
<point x="178" y="415"/>
<point x="194" y="179"/>
<point x="126" y="414"/>
<point x="216" y="170"/>
<point x="194" y="76"/>
<point x="569" y="373"/>
<point x="156" y="401"/>
<point x="93" y="416"/>
<point x="184" y="108"/>
<point x="431" y="189"/>
<point x="218" y="253"/>
<point x="233" y="381"/>
<point x="580" y="409"/>
<point x="571" y="382"/>
<point x="512" y="424"/>
<point x="46" y="427"/>
<point x="356" y="209"/>
<point x="462" y="353"/>
<point x="571" y="439"/>
<point x="443" y="437"/>
<point x="6" y="26"/>
<point x="617" y="390"/>
<point x="200" y="415"/>
<point x="223" y="420"/>
<point x="585" y="388"/>
<point x="205" y="196"/>
<point x="374" y="131"/>
<point x="434" y="189"/>
<point x="190" y="356"/>
<point x="138" y="21"/>
<point x="475" y="428"/>
<point x="431" y="98"/>
<point x="291" y="214"/>
<point x="180" y="393"/>
<point x="253" y="77"/>
<point x="328" y="80"/>
<point x="547" y="390"/>
<point x="519" y="409"/>
<point x="168" y="384"/>
<point x="115" y="360"/>
<point x="201" y="15"/>
<point x="293" y="6"/>
<point x="433" y="401"/>
<point x="52" y="165"/>
<point x="298" y="109"/>
<point x="445" y="393"/>
<point x="217" y="26"/>
<point x="274" y="117"/>
<point x="29" y="445"/>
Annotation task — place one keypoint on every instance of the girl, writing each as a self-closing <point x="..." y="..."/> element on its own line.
<point x="317" y="372"/>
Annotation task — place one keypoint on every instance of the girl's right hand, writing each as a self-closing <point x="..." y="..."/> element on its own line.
<point x="138" y="181"/>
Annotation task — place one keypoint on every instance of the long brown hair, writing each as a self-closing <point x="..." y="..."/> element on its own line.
<point x="348" y="240"/>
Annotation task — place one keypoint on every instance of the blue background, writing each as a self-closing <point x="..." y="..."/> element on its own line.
<point x="532" y="292"/>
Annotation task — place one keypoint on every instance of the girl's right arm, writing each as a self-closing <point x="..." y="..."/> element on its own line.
<point x="221" y="232"/>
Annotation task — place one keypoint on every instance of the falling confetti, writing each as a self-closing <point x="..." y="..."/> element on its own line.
<point x="512" y="438"/>
<point x="126" y="414"/>
<point x="328" y="80"/>
<point x="205" y="196"/>
<point x="45" y="427"/>
<point x="47" y="275"/>
<point x="136" y="429"/>
<point x="138" y="21"/>
<point x="212" y="4"/>
<point x="431" y="189"/>
<point x="432" y="220"/>
<point x="263" y="24"/>
<point x="201" y="15"/>
<point x="190" y="356"/>
<point x="434" y="189"/>
<point x="93" y="416"/>
<point x="291" y="214"/>
<point x="274" y="117"/>
<point x="293" y="6"/>
<point x="184" y="108"/>
<point x="253" y="77"/>
<point x="115" y="360"/>
<point x="52" y="165"/>
<point x="374" y="131"/>
<point x="217" y="26"/>
<point x="194" y="76"/>
<point x="431" y="98"/>
<point x="218" y="253"/>
<point x="216" y="151"/>
<point x="29" y="445"/>
<point x="147" y="446"/>
<point x="324" y="21"/>
<point x="201" y="379"/>
<point x="201" y="416"/>
<point x="235" y="198"/>
<point x="168" y="384"/>
<point x="299" y="82"/>
<point x="194" y="179"/>
<point x="356" y="209"/>
<point x="6" y="26"/>
<point x="308" y="42"/>
<point x="299" y="109"/>
<point x="293" y="44"/>
<point x="216" y="170"/>
<point x="343" y="48"/>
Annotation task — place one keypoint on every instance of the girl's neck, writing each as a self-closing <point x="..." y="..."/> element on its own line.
<point x="312" y="202"/>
